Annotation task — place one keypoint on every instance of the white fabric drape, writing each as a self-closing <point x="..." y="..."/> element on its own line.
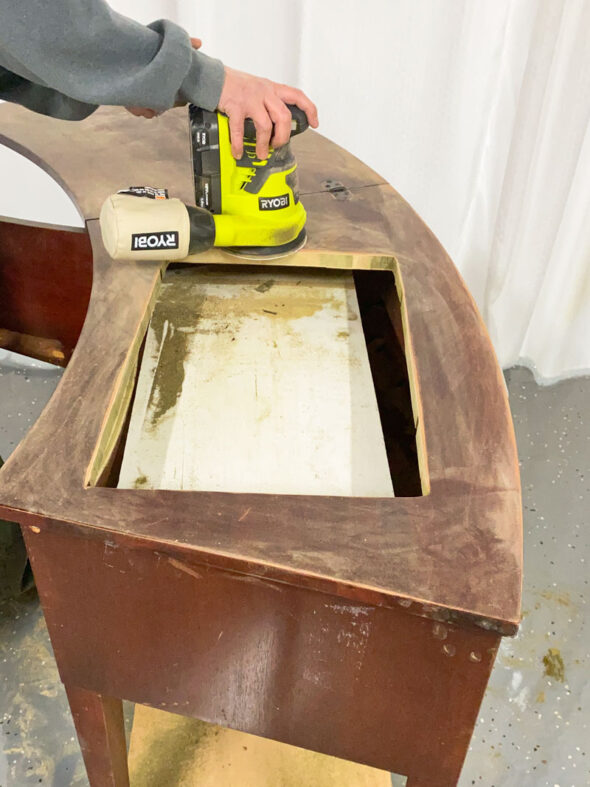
<point x="477" y="112"/>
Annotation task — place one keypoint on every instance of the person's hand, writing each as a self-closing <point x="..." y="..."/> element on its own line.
<point x="144" y="112"/>
<point x="246" y="96"/>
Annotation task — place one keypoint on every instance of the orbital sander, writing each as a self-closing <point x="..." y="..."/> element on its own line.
<point x="250" y="207"/>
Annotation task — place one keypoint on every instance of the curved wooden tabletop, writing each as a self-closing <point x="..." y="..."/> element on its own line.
<point x="455" y="553"/>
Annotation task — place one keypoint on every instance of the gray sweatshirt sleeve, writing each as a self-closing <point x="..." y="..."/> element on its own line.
<point x="65" y="57"/>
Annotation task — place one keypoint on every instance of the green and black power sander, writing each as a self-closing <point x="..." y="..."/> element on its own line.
<point x="249" y="207"/>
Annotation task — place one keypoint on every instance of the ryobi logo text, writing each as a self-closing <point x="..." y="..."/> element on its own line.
<point x="273" y="203"/>
<point x="154" y="240"/>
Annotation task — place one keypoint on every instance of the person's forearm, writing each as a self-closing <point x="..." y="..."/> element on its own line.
<point x="86" y="51"/>
<point x="43" y="100"/>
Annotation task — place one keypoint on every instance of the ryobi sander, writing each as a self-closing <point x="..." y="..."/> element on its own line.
<point x="249" y="207"/>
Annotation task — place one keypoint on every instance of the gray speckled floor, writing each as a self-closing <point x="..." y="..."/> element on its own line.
<point x="534" y="727"/>
<point x="24" y="392"/>
<point x="38" y="743"/>
<point x="535" y="719"/>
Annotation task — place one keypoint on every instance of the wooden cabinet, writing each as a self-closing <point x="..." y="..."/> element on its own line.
<point x="363" y="626"/>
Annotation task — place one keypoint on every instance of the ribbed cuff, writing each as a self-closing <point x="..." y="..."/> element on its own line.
<point x="203" y="84"/>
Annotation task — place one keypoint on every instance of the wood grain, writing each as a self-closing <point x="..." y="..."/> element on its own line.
<point x="364" y="683"/>
<point x="360" y="627"/>
<point x="101" y="733"/>
<point x="112" y="149"/>
<point x="45" y="282"/>
<point x="385" y="551"/>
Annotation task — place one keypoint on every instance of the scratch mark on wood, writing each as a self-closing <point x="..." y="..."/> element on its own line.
<point x="351" y="609"/>
<point x="245" y="514"/>
<point x="183" y="567"/>
<point x="257" y="581"/>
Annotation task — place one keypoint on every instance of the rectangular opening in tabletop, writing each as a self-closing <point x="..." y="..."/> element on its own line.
<point x="260" y="379"/>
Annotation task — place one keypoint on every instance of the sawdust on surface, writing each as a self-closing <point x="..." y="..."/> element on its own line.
<point x="554" y="666"/>
<point x="186" y="307"/>
<point x="168" y="750"/>
<point x="173" y="321"/>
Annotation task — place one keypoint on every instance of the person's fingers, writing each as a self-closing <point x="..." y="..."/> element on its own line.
<point x="196" y="43"/>
<point x="142" y="112"/>
<point x="263" y="125"/>
<point x="236" y="133"/>
<point x="244" y="95"/>
<point x="281" y="118"/>
<point x="291" y="95"/>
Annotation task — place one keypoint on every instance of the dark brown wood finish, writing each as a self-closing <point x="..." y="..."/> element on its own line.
<point x="45" y="283"/>
<point x="451" y="558"/>
<point x="356" y="681"/>
<point x="101" y="732"/>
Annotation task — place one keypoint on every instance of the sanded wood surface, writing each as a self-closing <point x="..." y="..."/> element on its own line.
<point x="364" y="628"/>
<point x="454" y="552"/>
<point x="91" y="158"/>
<point x="256" y="380"/>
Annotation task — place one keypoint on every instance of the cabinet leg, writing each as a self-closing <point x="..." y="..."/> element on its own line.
<point x="101" y="733"/>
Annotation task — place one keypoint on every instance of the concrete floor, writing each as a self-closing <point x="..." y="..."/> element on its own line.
<point x="534" y="723"/>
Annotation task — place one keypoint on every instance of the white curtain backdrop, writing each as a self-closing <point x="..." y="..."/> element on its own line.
<point x="477" y="112"/>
